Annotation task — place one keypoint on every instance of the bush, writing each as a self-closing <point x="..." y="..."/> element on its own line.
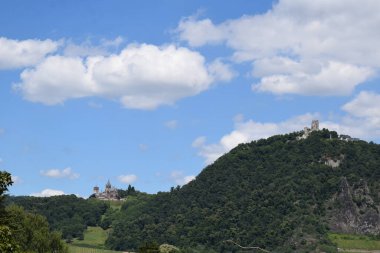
<point x="167" y="248"/>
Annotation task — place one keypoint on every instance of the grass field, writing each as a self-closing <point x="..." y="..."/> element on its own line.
<point x="116" y="204"/>
<point x="77" y="249"/>
<point x="94" y="237"/>
<point x="361" y="242"/>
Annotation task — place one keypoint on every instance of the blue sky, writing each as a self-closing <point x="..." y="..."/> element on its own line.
<point x="149" y="92"/>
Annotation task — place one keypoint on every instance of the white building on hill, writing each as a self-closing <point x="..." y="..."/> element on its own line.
<point x="110" y="193"/>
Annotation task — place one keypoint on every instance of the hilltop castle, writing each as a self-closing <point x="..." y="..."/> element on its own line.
<point x="307" y="131"/>
<point x="110" y="193"/>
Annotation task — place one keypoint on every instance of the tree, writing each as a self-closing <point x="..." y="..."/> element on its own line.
<point x="7" y="242"/>
<point x="5" y="181"/>
<point x="32" y="233"/>
<point x="21" y="231"/>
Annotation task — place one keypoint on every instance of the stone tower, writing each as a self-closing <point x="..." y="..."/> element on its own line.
<point x="96" y="190"/>
<point x="314" y="125"/>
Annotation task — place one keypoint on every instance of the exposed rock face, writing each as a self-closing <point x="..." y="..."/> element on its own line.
<point x="352" y="210"/>
<point x="333" y="162"/>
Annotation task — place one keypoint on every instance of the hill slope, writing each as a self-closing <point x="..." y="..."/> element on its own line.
<point x="279" y="194"/>
<point x="68" y="214"/>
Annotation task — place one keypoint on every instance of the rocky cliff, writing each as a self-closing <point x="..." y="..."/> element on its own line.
<point x="353" y="210"/>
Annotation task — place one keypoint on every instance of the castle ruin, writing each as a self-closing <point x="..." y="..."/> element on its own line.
<point x="307" y="131"/>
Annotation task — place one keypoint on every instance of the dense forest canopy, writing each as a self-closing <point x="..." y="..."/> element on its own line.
<point x="270" y="193"/>
<point x="67" y="213"/>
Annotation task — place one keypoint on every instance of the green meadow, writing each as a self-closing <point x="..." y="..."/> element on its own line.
<point x="359" y="242"/>
<point x="93" y="242"/>
<point x="77" y="249"/>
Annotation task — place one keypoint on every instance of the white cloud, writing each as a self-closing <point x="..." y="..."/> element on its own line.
<point x="171" y="124"/>
<point x="366" y="104"/>
<point x="56" y="79"/>
<point x="200" y="32"/>
<point x="24" y="53"/>
<point x="87" y="48"/>
<point x="16" y="179"/>
<point x="199" y="141"/>
<point x="297" y="46"/>
<point x="140" y="76"/>
<point x="127" y="179"/>
<point x="221" y="71"/>
<point x="333" y="79"/>
<point x="48" y="193"/>
<point x="56" y="173"/>
<point x="364" y="114"/>
<point x="180" y="179"/>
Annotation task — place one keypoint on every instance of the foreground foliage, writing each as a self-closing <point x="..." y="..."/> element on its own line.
<point x="7" y="242"/>
<point x="21" y="231"/>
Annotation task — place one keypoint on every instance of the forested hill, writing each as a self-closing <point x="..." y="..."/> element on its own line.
<point x="68" y="214"/>
<point x="280" y="194"/>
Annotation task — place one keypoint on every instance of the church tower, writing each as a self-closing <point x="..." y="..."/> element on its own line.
<point x="108" y="186"/>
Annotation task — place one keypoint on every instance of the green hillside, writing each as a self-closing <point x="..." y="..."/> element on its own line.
<point x="277" y="194"/>
<point x="68" y="214"/>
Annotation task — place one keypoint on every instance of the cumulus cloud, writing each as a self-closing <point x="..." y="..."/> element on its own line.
<point x="179" y="178"/>
<point x="140" y="76"/>
<point x="366" y="104"/>
<point x="221" y="71"/>
<point x="334" y="78"/>
<point x="200" y="32"/>
<point x="87" y="48"/>
<point x="296" y="46"/>
<point x="127" y="179"/>
<point x="24" y="53"/>
<point x="47" y="193"/>
<point x="56" y="173"/>
<point x="364" y="114"/>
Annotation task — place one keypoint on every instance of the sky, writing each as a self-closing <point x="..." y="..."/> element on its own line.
<point x="149" y="93"/>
